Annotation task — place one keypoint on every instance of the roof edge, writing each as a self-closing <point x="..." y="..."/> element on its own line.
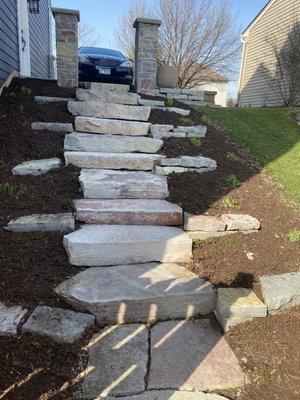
<point x="258" y="16"/>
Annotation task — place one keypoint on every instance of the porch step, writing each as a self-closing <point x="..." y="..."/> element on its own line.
<point x="128" y="212"/>
<point x="108" y="184"/>
<point x="139" y="293"/>
<point x="103" y="245"/>
<point x="118" y="161"/>
<point x="115" y="87"/>
<point x="111" y="126"/>
<point x="107" y="96"/>
<point x="109" y="110"/>
<point x="78" y="141"/>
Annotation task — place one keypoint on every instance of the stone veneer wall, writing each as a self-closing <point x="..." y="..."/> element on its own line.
<point x="66" y="28"/>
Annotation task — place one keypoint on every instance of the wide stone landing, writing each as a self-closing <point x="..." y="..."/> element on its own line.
<point x="111" y="127"/>
<point x="42" y="223"/>
<point x="117" y="365"/>
<point x="107" y="96"/>
<point x="101" y="245"/>
<point x="63" y="326"/>
<point x="192" y="356"/>
<point x="78" y="141"/>
<point x="36" y="167"/>
<point x="128" y="211"/>
<point x="127" y="161"/>
<point x="114" y="87"/>
<point x="172" y="395"/>
<point x="10" y="318"/>
<point x="109" y="110"/>
<point x="139" y="293"/>
<point x="108" y="184"/>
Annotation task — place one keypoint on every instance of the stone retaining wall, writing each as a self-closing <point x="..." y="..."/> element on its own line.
<point x="189" y="96"/>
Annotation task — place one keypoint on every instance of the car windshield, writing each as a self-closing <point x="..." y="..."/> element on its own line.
<point x="99" y="50"/>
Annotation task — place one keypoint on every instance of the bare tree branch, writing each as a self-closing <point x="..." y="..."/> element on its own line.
<point x="87" y="35"/>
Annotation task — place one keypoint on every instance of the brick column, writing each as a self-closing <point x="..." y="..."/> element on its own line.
<point x="66" y="28"/>
<point x="146" y="43"/>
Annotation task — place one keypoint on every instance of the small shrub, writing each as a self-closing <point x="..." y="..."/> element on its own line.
<point x="25" y="90"/>
<point x="185" y="121"/>
<point x="233" y="181"/>
<point x="230" y="202"/>
<point x="6" y="188"/>
<point x="294" y="236"/>
<point x="197" y="142"/>
<point x="233" y="156"/>
<point x="169" y="102"/>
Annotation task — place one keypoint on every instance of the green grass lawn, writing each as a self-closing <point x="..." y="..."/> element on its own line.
<point x="270" y="136"/>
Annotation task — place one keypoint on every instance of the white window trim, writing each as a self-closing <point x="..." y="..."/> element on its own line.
<point x="23" y="32"/>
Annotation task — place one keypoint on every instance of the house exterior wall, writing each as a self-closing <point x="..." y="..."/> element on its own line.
<point x="221" y="88"/>
<point x="9" y="45"/>
<point x="258" y="58"/>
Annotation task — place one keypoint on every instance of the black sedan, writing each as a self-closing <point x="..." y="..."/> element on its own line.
<point x="104" y="65"/>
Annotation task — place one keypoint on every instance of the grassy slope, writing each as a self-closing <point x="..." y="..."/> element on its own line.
<point x="270" y="136"/>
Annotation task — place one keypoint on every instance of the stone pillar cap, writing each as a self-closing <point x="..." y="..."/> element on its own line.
<point x="65" y="11"/>
<point x="148" y="21"/>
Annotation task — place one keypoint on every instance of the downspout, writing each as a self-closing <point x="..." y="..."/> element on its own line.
<point x="243" y="40"/>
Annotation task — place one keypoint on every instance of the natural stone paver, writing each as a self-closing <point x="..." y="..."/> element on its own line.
<point x="163" y="135"/>
<point x="108" y="184"/>
<point x="47" y="99"/>
<point x="129" y="161"/>
<point x="281" y="291"/>
<point x="158" y="170"/>
<point x="200" y="129"/>
<point x="238" y="305"/>
<point x="180" y="111"/>
<point x="116" y="87"/>
<point x="63" y="326"/>
<point x="172" y="395"/>
<point x="240" y="222"/>
<point x="155" y="128"/>
<point x="139" y="293"/>
<point x="128" y="212"/>
<point x="151" y="103"/>
<point x="10" y="318"/>
<point x="52" y="126"/>
<point x="107" y="96"/>
<point x="112" y="127"/>
<point x="101" y="245"/>
<point x="43" y="223"/>
<point x="189" y="162"/>
<point x="192" y="355"/>
<point x="203" y="223"/>
<point x="117" y="366"/>
<point x="36" y="167"/>
<point x="108" y="110"/>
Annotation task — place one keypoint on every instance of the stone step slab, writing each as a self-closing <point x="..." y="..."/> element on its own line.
<point x="63" y="326"/>
<point x="128" y="212"/>
<point x="36" y="167"/>
<point x="42" y="223"/>
<point x="102" y="245"/>
<point x="190" y="162"/>
<point x="240" y="222"/>
<point x="192" y="356"/>
<point x="47" y="99"/>
<point x="10" y="318"/>
<point x="107" y="96"/>
<point x="203" y="223"/>
<point x="151" y="103"/>
<point x="157" y="128"/>
<point x="108" y="110"/>
<point x="52" y="126"/>
<point x="172" y="395"/>
<point x="111" y="127"/>
<point x="111" y="161"/>
<point x="78" y="141"/>
<point x="164" y="135"/>
<point x="179" y="111"/>
<point x="115" y="87"/>
<point x="281" y="292"/>
<point x="139" y="293"/>
<point x="117" y="364"/>
<point x="200" y="129"/>
<point x="109" y="184"/>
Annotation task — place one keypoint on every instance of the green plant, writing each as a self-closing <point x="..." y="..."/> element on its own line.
<point x="2" y="165"/>
<point x="233" y="156"/>
<point x="294" y="236"/>
<point x="25" y="90"/>
<point x="6" y="188"/>
<point x="169" y="102"/>
<point x="22" y="109"/>
<point x="230" y="202"/>
<point x="233" y="181"/>
<point x="228" y="242"/>
<point x="185" y="121"/>
<point x="197" y="142"/>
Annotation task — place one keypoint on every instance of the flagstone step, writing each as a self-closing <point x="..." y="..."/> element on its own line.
<point x="109" y="110"/>
<point x="139" y="293"/>
<point x="115" y="87"/>
<point x="128" y="212"/>
<point x="36" y="167"/>
<point x="109" y="184"/>
<point x="79" y="141"/>
<point x="119" y="161"/>
<point x="107" y="96"/>
<point x="111" y="126"/>
<point x="102" y="245"/>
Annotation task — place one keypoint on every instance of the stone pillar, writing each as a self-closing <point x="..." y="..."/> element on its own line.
<point x="66" y="28"/>
<point x="146" y="44"/>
